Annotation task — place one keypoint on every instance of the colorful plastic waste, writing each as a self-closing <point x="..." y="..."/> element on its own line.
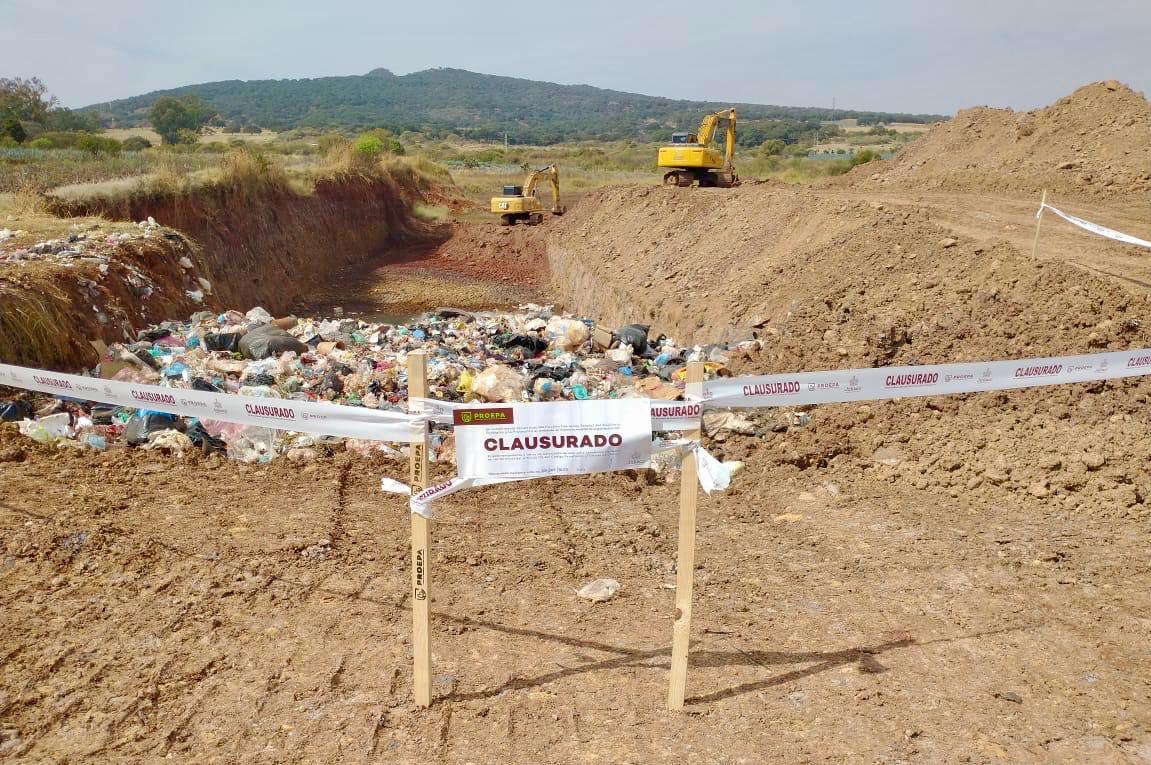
<point x="531" y="354"/>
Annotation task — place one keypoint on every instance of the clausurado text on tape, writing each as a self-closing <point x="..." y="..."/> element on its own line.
<point x="282" y="414"/>
<point x="1095" y="228"/>
<point x="665" y="415"/>
<point x="929" y="380"/>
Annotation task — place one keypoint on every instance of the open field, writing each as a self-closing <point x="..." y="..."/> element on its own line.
<point x="209" y="135"/>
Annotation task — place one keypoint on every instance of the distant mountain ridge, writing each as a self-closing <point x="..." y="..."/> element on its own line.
<point x="481" y="106"/>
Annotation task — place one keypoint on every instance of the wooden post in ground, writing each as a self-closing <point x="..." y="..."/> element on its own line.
<point x="1038" y="223"/>
<point x="685" y="562"/>
<point x="421" y="543"/>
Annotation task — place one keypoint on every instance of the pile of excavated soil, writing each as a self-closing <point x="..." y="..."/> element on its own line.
<point x="827" y="284"/>
<point x="837" y="283"/>
<point x="1094" y="142"/>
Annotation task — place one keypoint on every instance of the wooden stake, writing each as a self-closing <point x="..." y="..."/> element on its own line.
<point x="421" y="543"/>
<point x="685" y="562"/>
<point x="1038" y="223"/>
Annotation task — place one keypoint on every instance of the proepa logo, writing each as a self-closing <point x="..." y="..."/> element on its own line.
<point x="500" y="416"/>
<point x="1139" y="361"/>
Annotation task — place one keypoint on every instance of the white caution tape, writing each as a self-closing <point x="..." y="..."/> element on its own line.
<point x="281" y="414"/>
<point x="1095" y="228"/>
<point x="665" y="415"/>
<point x="933" y="380"/>
<point x="713" y="475"/>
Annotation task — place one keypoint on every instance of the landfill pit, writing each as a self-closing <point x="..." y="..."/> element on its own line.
<point x="533" y="354"/>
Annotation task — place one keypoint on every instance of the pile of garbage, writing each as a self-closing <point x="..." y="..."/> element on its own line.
<point x="76" y="246"/>
<point x="533" y="354"/>
<point x="100" y="249"/>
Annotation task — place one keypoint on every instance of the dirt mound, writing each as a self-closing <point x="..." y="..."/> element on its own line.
<point x="839" y="283"/>
<point x="828" y="284"/>
<point x="1094" y="142"/>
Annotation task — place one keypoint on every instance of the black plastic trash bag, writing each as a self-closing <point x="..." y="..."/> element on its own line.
<point x="269" y="340"/>
<point x="634" y="335"/>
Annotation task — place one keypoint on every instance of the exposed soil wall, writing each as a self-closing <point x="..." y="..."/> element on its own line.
<point x="269" y="246"/>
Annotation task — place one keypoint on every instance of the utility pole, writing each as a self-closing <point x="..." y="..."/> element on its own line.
<point x="505" y="140"/>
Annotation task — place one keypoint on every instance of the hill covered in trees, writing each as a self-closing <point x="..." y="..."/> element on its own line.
<point x="438" y="102"/>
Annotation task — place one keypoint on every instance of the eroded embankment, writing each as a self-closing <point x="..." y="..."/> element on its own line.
<point x="102" y="285"/>
<point x="270" y="245"/>
<point x="254" y="244"/>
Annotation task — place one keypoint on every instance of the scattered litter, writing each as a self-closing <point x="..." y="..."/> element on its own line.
<point x="599" y="591"/>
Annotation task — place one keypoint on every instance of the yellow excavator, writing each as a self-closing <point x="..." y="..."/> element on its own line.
<point x="694" y="157"/>
<point x="520" y="203"/>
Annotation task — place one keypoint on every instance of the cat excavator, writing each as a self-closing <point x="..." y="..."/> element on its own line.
<point x="520" y="203"/>
<point x="694" y="157"/>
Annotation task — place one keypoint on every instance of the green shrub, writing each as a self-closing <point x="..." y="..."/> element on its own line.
<point x="772" y="147"/>
<point x="863" y="157"/>
<point x="136" y="143"/>
<point x="12" y="129"/>
<point x="41" y="143"/>
<point x="97" y="144"/>
<point x="369" y="146"/>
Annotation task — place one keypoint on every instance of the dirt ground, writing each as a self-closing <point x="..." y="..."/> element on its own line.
<point x="939" y="580"/>
<point x="212" y="612"/>
<point x="479" y="265"/>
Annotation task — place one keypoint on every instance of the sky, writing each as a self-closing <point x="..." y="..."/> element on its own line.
<point x="884" y="55"/>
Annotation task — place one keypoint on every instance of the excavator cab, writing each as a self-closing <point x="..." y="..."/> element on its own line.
<point x="677" y="138"/>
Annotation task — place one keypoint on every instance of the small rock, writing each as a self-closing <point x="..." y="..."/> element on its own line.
<point x="1039" y="489"/>
<point x="185" y="262"/>
<point x="1067" y="166"/>
<point x="1011" y="696"/>
<point x="948" y="242"/>
<point x="1094" y="460"/>
<point x="996" y="476"/>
